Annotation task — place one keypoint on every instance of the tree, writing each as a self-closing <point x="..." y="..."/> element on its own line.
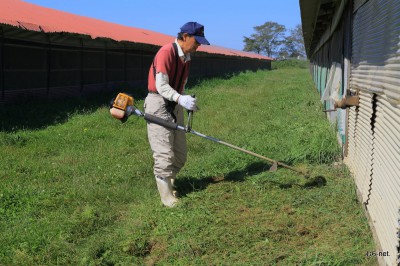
<point x="267" y="39"/>
<point x="252" y="45"/>
<point x="283" y="52"/>
<point x="294" y="43"/>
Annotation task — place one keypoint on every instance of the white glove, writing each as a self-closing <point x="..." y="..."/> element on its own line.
<point x="188" y="102"/>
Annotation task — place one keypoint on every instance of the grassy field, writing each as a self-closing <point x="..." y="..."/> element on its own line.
<point x="76" y="186"/>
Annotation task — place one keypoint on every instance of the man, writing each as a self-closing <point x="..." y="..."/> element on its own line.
<point x="168" y="76"/>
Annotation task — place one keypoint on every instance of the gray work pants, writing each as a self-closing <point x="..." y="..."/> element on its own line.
<point x="168" y="146"/>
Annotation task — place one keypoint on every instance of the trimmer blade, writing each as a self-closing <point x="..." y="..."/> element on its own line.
<point x="274" y="167"/>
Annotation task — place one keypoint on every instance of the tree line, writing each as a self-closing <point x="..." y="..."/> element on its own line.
<point x="274" y="40"/>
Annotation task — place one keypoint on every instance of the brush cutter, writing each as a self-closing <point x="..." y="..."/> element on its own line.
<point x="123" y="107"/>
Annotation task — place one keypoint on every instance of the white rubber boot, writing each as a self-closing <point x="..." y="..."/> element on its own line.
<point x="174" y="192"/>
<point x="165" y="189"/>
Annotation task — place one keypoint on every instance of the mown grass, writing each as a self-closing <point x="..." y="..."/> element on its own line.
<point x="76" y="186"/>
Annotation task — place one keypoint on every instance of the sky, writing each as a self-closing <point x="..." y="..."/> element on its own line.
<point x="225" y="22"/>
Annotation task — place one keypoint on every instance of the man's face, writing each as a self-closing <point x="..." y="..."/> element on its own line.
<point x="190" y="44"/>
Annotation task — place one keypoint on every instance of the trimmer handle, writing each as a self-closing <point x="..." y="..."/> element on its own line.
<point x="160" y="121"/>
<point x="190" y="117"/>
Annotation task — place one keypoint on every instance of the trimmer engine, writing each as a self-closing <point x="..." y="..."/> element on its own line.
<point x="121" y="106"/>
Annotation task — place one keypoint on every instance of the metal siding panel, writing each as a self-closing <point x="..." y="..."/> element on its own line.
<point x="385" y="162"/>
<point x="376" y="53"/>
<point x="25" y="94"/>
<point x="375" y="69"/>
<point x="324" y="74"/>
<point x="351" y="137"/>
<point x="384" y="201"/>
<point x="377" y="153"/>
<point x="358" y="4"/>
<point x="64" y="92"/>
<point x="360" y="144"/>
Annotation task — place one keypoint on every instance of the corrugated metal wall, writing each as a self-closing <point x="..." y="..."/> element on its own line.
<point x="374" y="127"/>
<point x="369" y="62"/>
<point x="383" y="204"/>
<point x="36" y="65"/>
<point x="360" y="141"/>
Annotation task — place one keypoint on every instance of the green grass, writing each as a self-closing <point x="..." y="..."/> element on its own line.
<point x="290" y="63"/>
<point x="76" y="186"/>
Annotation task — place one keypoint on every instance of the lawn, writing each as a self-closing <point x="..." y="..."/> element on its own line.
<point x="76" y="186"/>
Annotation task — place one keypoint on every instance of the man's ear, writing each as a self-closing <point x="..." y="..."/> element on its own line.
<point x="184" y="36"/>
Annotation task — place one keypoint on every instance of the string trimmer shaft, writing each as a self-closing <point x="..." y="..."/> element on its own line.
<point x="117" y="111"/>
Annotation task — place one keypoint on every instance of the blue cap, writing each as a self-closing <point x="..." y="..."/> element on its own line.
<point x="197" y="30"/>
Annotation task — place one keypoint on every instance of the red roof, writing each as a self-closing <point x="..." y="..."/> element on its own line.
<point x="37" y="18"/>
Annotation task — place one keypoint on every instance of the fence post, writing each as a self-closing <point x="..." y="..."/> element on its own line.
<point x="105" y="67"/>
<point x="2" y="65"/>
<point x="48" y="65"/>
<point x="81" y="71"/>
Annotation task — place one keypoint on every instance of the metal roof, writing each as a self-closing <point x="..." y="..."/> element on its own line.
<point x="316" y="17"/>
<point x="37" y="18"/>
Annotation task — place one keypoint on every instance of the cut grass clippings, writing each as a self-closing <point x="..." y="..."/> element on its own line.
<point x="76" y="187"/>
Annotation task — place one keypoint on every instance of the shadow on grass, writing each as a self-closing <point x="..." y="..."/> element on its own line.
<point x="32" y="114"/>
<point x="313" y="182"/>
<point x="187" y="185"/>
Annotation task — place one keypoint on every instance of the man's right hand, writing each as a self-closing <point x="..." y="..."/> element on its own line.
<point x="188" y="102"/>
